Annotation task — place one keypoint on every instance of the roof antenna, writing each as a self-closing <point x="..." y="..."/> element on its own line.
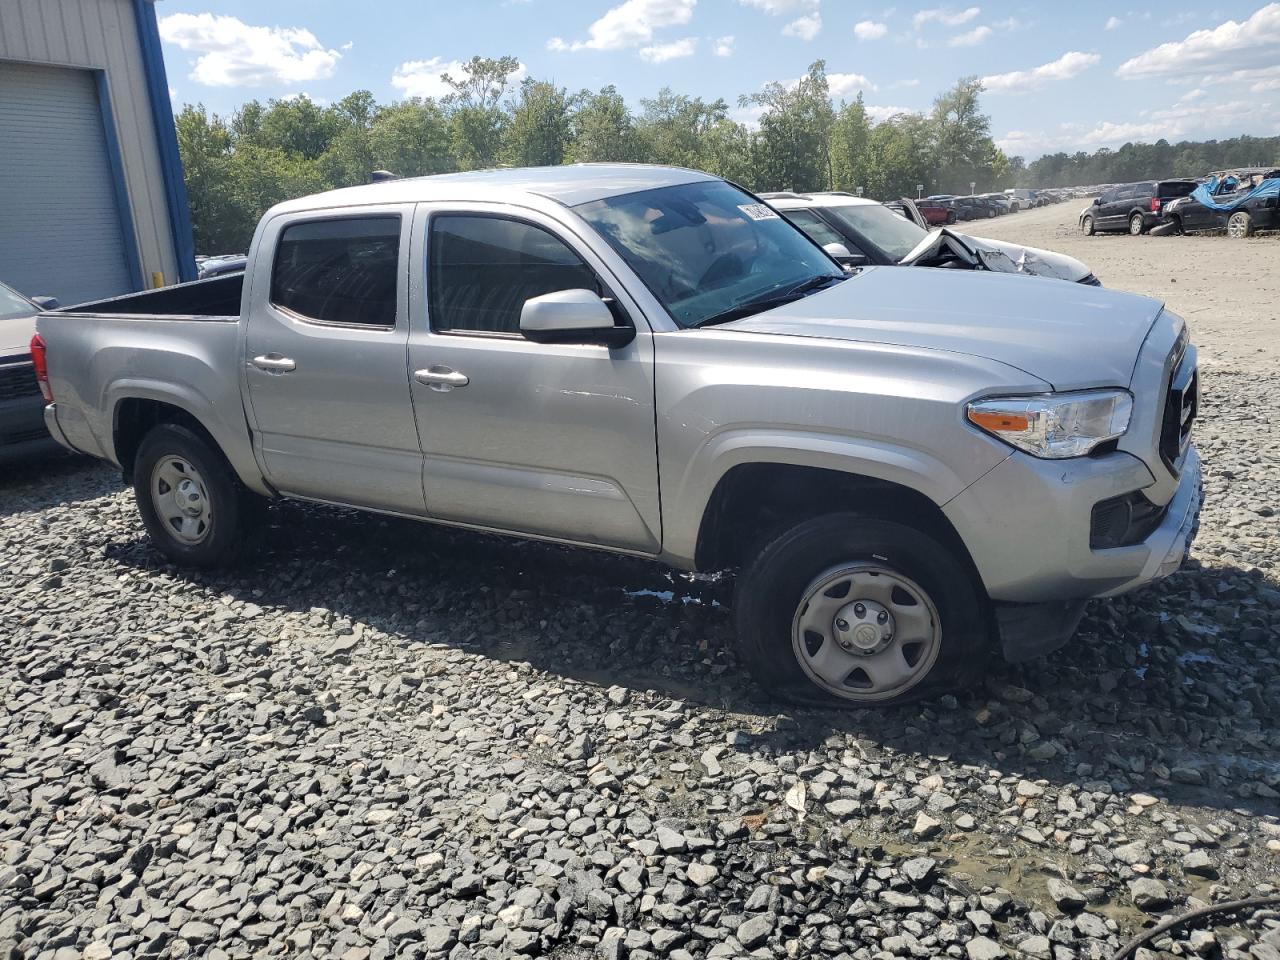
<point x="382" y="176"/>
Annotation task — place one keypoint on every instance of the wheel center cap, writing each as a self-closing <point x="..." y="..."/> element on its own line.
<point x="864" y="626"/>
<point x="189" y="497"/>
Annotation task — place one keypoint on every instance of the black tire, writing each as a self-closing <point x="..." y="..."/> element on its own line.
<point x="1137" y="225"/>
<point x="951" y="216"/>
<point x="770" y="590"/>
<point x="231" y="507"/>
<point x="1087" y="226"/>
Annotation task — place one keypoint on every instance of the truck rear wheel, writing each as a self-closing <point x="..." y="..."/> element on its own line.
<point x="843" y="610"/>
<point x="191" y="502"/>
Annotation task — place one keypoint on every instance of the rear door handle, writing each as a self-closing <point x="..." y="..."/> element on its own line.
<point x="274" y="363"/>
<point x="441" y="378"/>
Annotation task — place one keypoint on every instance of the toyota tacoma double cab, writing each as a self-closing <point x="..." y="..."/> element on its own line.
<point x="906" y="468"/>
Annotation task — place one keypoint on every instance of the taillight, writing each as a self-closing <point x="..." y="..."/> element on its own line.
<point x="1155" y="204"/>
<point x="41" y="363"/>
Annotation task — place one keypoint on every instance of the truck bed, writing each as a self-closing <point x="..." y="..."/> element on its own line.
<point x="215" y="299"/>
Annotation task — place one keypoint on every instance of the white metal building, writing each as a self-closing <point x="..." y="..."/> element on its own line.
<point x="92" y="201"/>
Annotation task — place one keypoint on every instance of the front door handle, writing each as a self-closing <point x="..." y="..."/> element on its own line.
<point x="274" y="363"/>
<point x="441" y="378"/>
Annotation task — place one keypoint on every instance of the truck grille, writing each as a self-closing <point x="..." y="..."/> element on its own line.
<point x="1180" y="408"/>
<point x="18" y="380"/>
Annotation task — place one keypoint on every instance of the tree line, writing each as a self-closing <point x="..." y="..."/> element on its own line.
<point x="1150" y="161"/>
<point x="238" y="166"/>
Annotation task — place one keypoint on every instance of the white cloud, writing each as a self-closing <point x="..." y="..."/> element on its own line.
<point x="723" y="47"/>
<point x="234" y="54"/>
<point x="629" y="24"/>
<point x="881" y="114"/>
<point x="777" y="7"/>
<point x="1228" y="47"/>
<point x="846" y="85"/>
<point x="1021" y="81"/>
<point x="869" y="30"/>
<point x="424" y="78"/>
<point x="970" y="39"/>
<point x="806" y="27"/>
<point x="1113" y="23"/>
<point x="947" y="17"/>
<point x="1205" y="121"/>
<point x="662" y="52"/>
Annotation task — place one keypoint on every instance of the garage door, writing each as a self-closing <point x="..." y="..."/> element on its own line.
<point x="60" y="230"/>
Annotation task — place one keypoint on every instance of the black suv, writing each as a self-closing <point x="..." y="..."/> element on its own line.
<point x="1134" y="207"/>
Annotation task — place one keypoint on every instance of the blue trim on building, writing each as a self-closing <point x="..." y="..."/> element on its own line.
<point x="175" y="187"/>
<point x="116" y="163"/>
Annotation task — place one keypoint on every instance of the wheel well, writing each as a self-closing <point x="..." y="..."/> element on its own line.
<point x="755" y="502"/>
<point x="136" y="417"/>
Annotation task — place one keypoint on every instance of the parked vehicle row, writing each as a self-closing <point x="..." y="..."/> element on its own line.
<point x="907" y="468"/>
<point x="1237" y="205"/>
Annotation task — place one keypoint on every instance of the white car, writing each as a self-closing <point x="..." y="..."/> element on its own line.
<point x="861" y="232"/>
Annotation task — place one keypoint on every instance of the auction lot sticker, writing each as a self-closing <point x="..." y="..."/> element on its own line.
<point x="758" y="211"/>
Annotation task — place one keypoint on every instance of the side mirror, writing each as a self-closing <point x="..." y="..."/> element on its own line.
<point x="1097" y="201"/>
<point x="572" y="316"/>
<point x="46" y="303"/>
<point x="843" y="256"/>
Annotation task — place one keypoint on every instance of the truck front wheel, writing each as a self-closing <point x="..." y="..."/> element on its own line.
<point x="191" y="502"/>
<point x="857" y="612"/>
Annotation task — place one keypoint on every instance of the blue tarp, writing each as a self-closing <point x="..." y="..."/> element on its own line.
<point x="1204" y="193"/>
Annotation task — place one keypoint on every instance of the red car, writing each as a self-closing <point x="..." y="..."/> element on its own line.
<point x="933" y="212"/>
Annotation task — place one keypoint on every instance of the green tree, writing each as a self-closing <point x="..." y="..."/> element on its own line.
<point x="672" y="126"/>
<point x="793" y="146"/>
<point x="412" y="138"/>
<point x="604" y="130"/>
<point x="540" y="129"/>
<point x="850" y="135"/>
<point x="475" y="113"/>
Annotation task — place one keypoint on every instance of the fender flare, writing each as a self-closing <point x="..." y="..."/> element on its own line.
<point x="232" y="439"/>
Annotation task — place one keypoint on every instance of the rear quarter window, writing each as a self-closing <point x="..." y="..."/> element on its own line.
<point x="1176" y="189"/>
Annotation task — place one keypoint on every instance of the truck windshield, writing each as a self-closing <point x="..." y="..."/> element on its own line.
<point x="707" y="250"/>
<point x="883" y="229"/>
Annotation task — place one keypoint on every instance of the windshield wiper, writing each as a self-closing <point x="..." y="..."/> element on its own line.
<point x="790" y="295"/>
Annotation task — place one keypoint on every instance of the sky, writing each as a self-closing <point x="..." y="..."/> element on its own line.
<point x="1059" y="76"/>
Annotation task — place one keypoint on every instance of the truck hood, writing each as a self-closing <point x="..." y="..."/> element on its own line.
<point x="998" y="256"/>
<point x="1070" y="335"/>
<point x="15" y="337"/>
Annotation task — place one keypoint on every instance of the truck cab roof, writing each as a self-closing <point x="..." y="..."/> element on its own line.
<point x="570" y="185"/>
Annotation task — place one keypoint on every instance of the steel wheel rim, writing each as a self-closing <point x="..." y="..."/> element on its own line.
<point x="1135" y="226"/>
<point x="181" y="499"/>
<point x="865" y="632"/>
<point x="1235" y="227"/>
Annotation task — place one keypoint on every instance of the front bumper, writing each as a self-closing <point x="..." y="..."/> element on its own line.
<point x="1027" y="526"/>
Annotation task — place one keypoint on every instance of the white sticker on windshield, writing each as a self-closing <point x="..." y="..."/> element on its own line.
<point x="758" y="211"/>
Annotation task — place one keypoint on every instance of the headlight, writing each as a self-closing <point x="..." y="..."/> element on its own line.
<point x="1057" y="425"/>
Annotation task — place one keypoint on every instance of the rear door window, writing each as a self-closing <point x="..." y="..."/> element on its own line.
<point x="339" y="271"/>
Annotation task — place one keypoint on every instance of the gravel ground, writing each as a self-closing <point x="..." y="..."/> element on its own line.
<point x="386" y="739"/>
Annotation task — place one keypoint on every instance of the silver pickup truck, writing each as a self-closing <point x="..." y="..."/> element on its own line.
<point x="907" y="468"/>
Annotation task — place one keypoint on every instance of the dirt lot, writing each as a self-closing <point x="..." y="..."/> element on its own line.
<point x="1228" y="290"/>
<point x="384" y="739"/>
